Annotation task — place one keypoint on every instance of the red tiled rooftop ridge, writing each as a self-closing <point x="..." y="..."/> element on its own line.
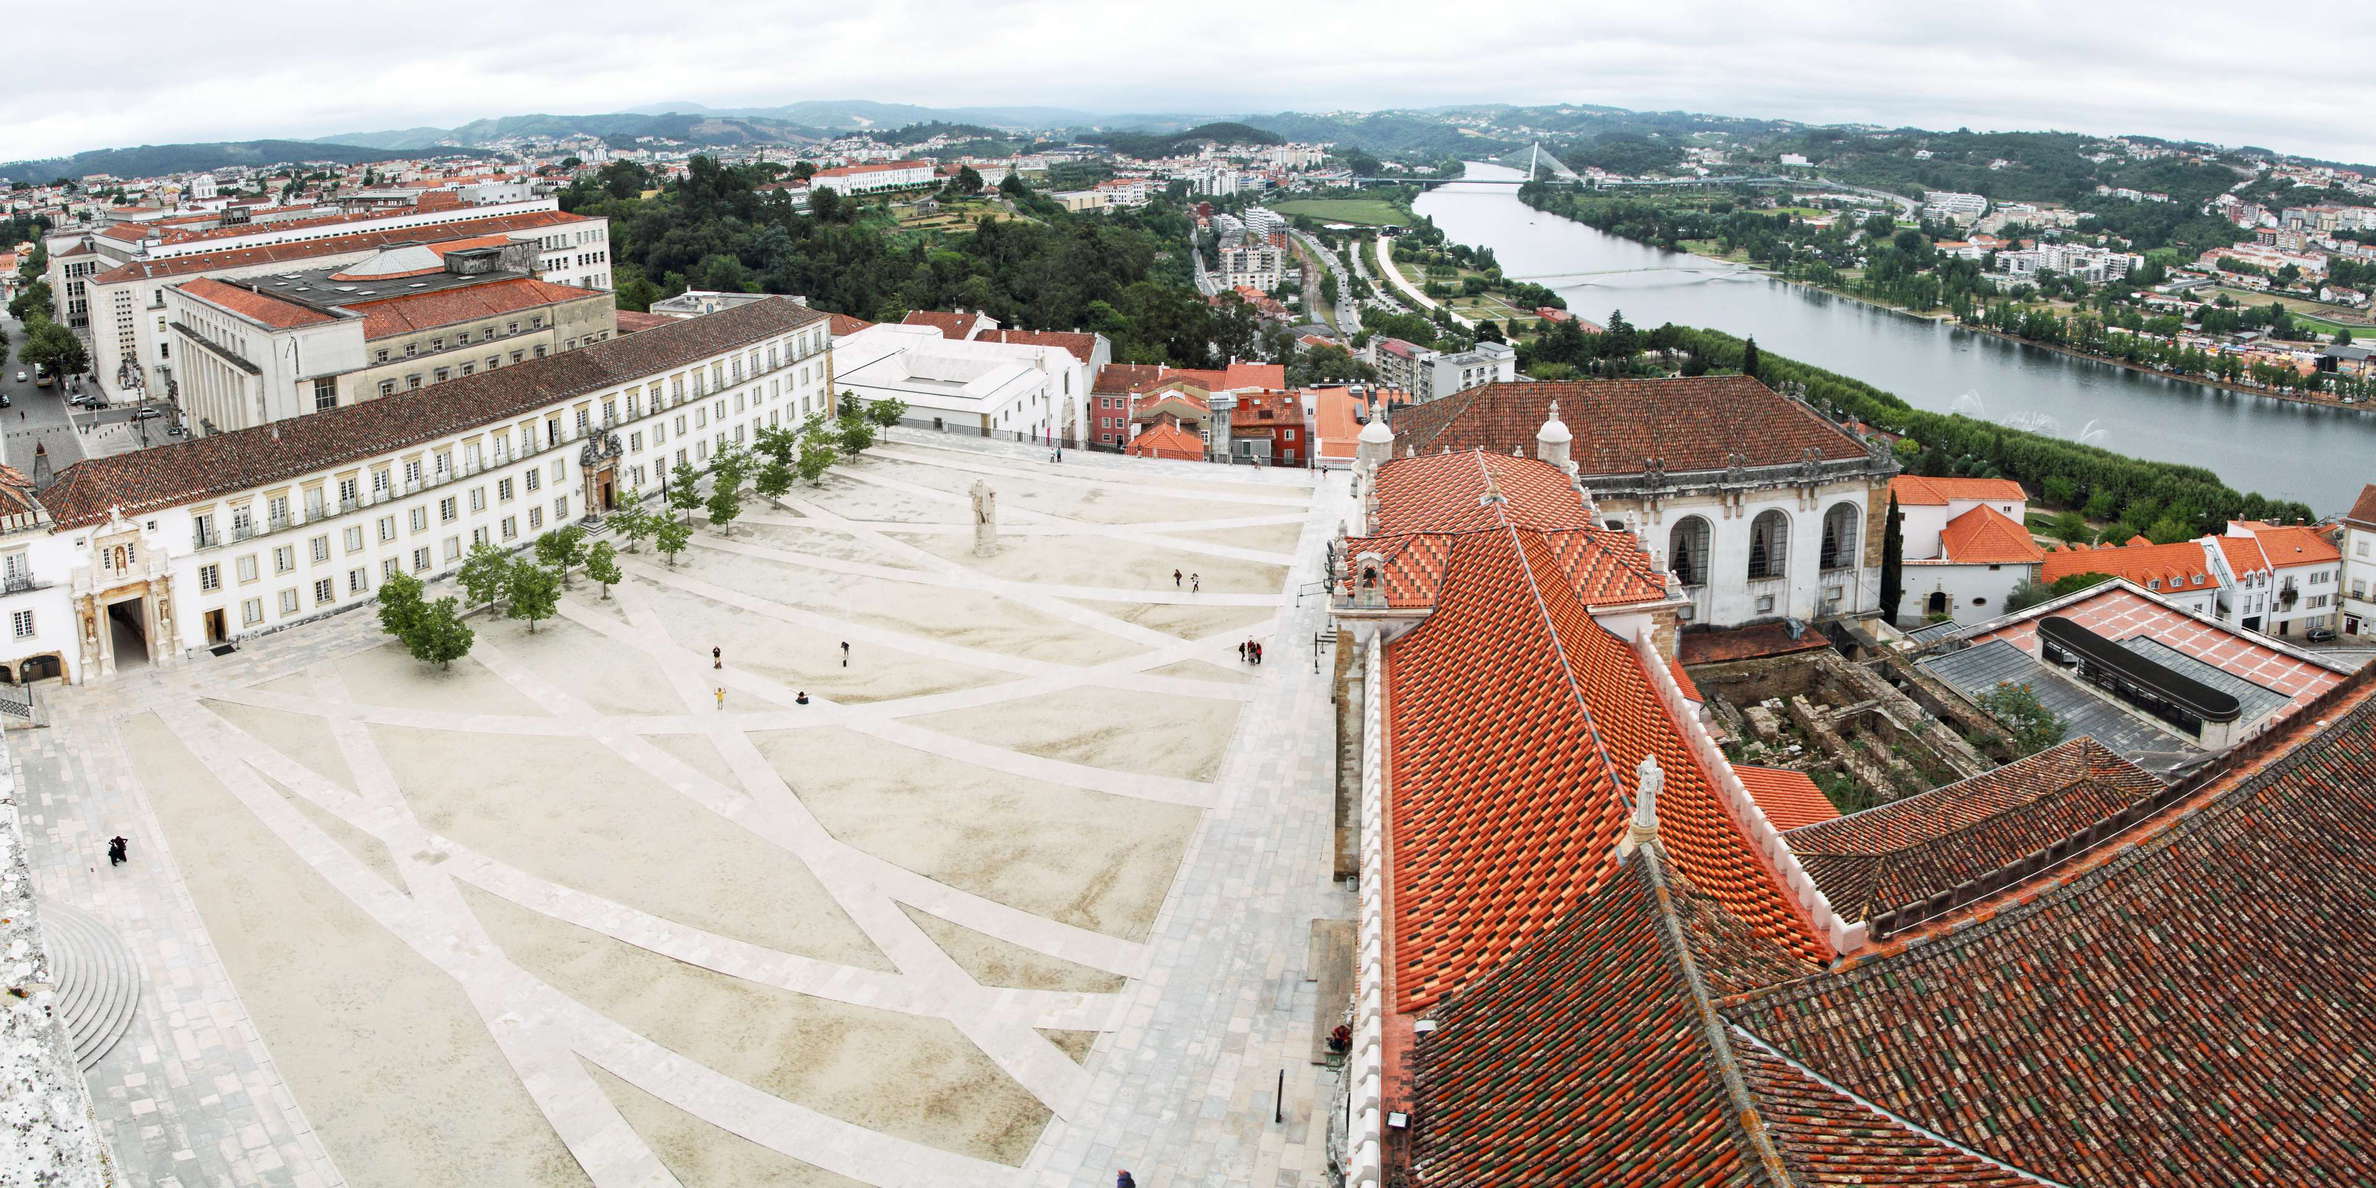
<point x="1788" y="798"/>
<point x="1986" y="536"/>
<point x="2169" y="568"/>
<point x="407" y="312"/>
<point x="1914" y="490"/>
<point x="2363" y="510"/>
<point x="261" y="308"/>
<point x="1423" y="501"/>
<point x="1692" y="423"/>
<point x="361" y="241"/>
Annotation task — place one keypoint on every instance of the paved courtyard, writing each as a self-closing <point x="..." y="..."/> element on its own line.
<point x="1021" y="895"/>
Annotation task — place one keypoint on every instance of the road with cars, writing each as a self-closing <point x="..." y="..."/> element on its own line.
<point x="38" y="419"/>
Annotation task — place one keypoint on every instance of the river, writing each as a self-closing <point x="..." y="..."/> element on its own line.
<point x="2320" y="456"/>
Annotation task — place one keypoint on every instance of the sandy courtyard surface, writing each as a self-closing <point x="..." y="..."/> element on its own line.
<point x="556" y="915"/>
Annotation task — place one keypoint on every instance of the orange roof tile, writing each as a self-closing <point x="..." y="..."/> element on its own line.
<point x="1166" y="441"/>
<point x="1986" y="536"/>
<point x="2171" y="569"/>
<point x="2243" y="553"/>
<point x="1788" y="798"/>
<point x="2296" y="545"/>
<point x="278" y="253"/>
<point x="258" y="307"/>
<point x="2363" y="511"/>
<point x="1914" y="490"/>
<point x="420" y="311"/>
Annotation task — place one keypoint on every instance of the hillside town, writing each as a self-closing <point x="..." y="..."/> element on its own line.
<point x="1166" y="652"/>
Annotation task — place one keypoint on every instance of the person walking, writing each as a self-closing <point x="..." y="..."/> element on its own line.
<point x="117" y="854"/>
<point x="1175" y="579"/>
<point x="1122" y="1179"/>
<point x="845" y="653"/>
<point x="1195" y="582"/>
<point x="1242" y="650"/>
<point x="717" y="658"/>
<point x="1258" y="653"/>
<point x="721" y="697"/>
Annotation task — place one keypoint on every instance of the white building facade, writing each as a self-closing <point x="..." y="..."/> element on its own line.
<point x="1013" y="389"/>
<point x="2359" y="566"/>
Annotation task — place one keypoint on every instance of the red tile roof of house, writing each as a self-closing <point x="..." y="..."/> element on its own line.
<point x="1788" y="798"/>
<point x="2177" y="568"/>
<point x="1694" y="423"/>
<point x="1901" y="853"/>
<point x="1515" y="723"/>
<point x="632" y="320"/>
<point x="2295" y="545"/>
<point x="2168" y="1006"/>
<point x="843" y="325"/>
<point x="444" y="307"/>
<point x="254" y="306"/>
<point x="1684" y="682"/>
<point x="2363" y="511"/>
<point x="2243" y="553"/>
<point x="1986" y="536"/>
<point x="361" y="241"/>
<point x="1829" y="1140"/>
<point x="1082" y="346"/>
<point x="958" y="326"/>
<point x="193" y="469"/>
<point x="1914" y="490"/>
<point x="1166" y="441"/>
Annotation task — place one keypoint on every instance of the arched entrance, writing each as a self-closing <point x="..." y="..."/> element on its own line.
<point x="128" y="633"/>
<point x="1936" y="604"/>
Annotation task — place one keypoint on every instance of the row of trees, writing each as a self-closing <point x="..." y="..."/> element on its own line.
<point x="528" y="586"/>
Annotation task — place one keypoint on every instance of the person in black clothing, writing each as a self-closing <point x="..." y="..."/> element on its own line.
<point x="116" y="855"/>
<point x="845" y="653"/>
<point x="1122" y="1179"/>
<point x="802" y="699"/>
<point x="717" y="658"/>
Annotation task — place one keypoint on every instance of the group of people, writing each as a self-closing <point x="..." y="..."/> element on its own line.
<point x="718" y="661"/>
<point x="1195" y="581"/>
<point x="1250" y="652"/>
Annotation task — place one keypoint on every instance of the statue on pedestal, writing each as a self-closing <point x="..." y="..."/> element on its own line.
<point x="985" y="509"/>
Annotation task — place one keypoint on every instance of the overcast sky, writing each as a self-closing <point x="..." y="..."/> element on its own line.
<point x="2292" y="77"/>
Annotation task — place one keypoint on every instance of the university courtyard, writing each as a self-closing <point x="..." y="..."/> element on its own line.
<point x="1022" y="894"/>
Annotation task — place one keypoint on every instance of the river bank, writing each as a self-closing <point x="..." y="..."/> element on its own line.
<point x="1948" y="318"/>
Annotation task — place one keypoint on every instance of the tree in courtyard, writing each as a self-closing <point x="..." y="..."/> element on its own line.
<point x="1893" y="564"/>
<point x="602" y="566"/>
<point x="725" y="503"/>
<point x="684" y="491"/>
<point x="2017" y="708"/>
<point x="817" y="454"/>
<point x="779" y="442"/>
<point x="561" y="550"/>
<point x="632" y="521"/>
<point x="853" y="435"/>
<point x="439" y="636"/>
<point x="671" y="537"/>
<point x="773" y="480"/>
<point x="399" y="604"/>
<point x="484" y="574"/>
<point x="535" y="592"/>
<point x="886" y="412"/>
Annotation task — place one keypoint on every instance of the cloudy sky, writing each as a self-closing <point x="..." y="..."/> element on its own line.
<point x="2296" y="81"/>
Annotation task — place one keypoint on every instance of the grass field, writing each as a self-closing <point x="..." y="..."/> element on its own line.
<point x="1374" y="212"/>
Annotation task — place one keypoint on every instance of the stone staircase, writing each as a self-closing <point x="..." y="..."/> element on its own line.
<point x="98" y="982"/>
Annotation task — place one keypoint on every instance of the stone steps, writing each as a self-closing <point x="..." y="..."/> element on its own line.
<point x="98" y="981"/>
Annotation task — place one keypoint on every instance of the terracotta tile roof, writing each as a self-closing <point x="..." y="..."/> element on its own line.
<point x="222" y="463"/>
<point x="2180" y="1005"/>
<point x="1508" y="710"/>
<point x="1788" y="798"/>
<point x="1694" y="423"/>
<point x="2117" y="612"/>
<point x="1240" y="376"/>
<point x="1166" y="441"/>
<point x="1081" y="346"/>
<point x="444" y="307"/>
<point x="632" y="320"/>
<point x="1424" y="502"/>
<point x="1122" y="379"/>
<point x="1830" y="1140"/>
<point x="2171" y="569"/>
<point x="2363" y="511"/>
<point x="843" y="325"/>
<point x="1684" y="682"/>
<point x="1898" y="854"/>
<point x="256" y="307"/>
<point x="2243" y="553"/>
<point x="281" y="253"/>
<point x="1986" y="536"/>
<point x="2296" y="545"/>
<point x="1585" y="1060"/>
<point x="1913" y="490"/>
<point x="957" y="326"/>
<point x="1756" y="641"/>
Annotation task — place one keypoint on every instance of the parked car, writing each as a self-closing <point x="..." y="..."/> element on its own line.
<point x="44" y="380"/>
<point x="173" y="428"/>
<point x="2321" y="635"/>
<point x="145" y="413"/>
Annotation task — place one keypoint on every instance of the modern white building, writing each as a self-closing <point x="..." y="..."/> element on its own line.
<point x="147" y="557"/>
<point x="1429" y="374"/>
<point x="1024" y="390"/>
<point x="2282" y="580"/>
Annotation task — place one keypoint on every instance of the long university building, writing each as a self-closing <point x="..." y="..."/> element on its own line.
<point x="210" y="540"/>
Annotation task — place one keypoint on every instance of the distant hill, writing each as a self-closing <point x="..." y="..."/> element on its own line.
<point x="1165" y="144"/>
<point x="696" y="123"/>
<point x="149" y="160"/>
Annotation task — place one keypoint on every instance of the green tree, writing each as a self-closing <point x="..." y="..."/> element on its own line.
<point x="535" y="592"/>
<point x="817" y="454"/>
<point x="779" y="442"/>
<point x="632" y="521"/>
<point x="886" y="412"/>
<point x="2017" y="708"/>
<point x="1893" y="564"/>
<point x="671" y="537"/>
<point x="684" y="490"/>
<point x="31" y="302"/>
<point x="485" y="574"/>
<point x="773" y="480"/>
<point x="602" y="566"/>
<point x="1012" y="186"/>
<point x="968" y="180"/>
<point x="439" y="636"/>
<point x="854" y="435"/>
<point x="399" y="605"/>
<point x="52" y="347"/>
<point x="725" y="503"/>
<point x="561" y="550"/>
<point x="1749" y="359"/>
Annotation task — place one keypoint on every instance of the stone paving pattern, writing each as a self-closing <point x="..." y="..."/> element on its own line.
<point x="956" y="810"/>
